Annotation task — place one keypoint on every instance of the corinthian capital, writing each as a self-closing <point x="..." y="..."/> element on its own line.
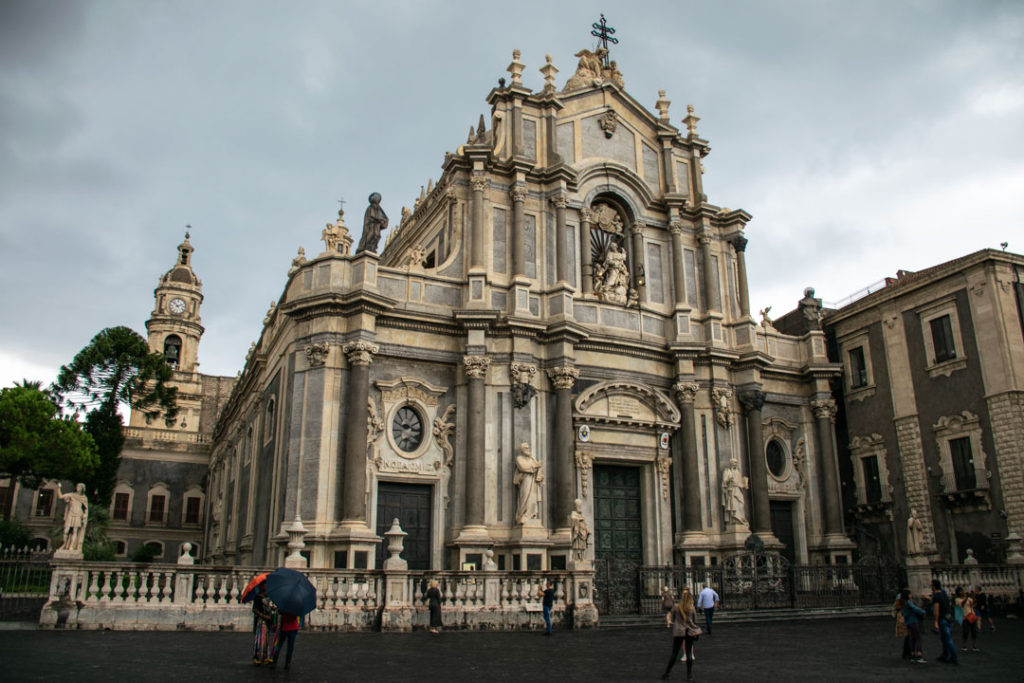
<point x="316" y="354"/>
<point x="586" y="215"/>
<point x="563" y="377"/>
<point x="360" y="352"/>
<point x="518" y="193"/>
<point x="676" y="227"/>
<point x="739" y="243"/>
<point x="559" y="200"/>
<point x="825" y="408"/>
<point x="752" y="400"/>
<point x="476" y="366"/>
<point x="686" y="392"/>
<point x="479" y="183"/>
<point x="637" y="228"/>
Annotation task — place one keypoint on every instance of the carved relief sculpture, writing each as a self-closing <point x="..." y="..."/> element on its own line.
<point x="580" y="531"/>
<point x="374" y="425"/>
<point x="583" y="462"/>
<point x="522" y="390"/>
<point x="528" y="477"/>
<point x="664" y="464"/>
<point x="733" y="485"/>
<point x="375" y="222"/>
<point x="723" y="406"/>
<point x="589" y="71"/>
<point x="608" y="122"/>
<point x="316" y="354"/>
<point x="76" y="516"/>
<point x="611" y="276"/>
<point x="443" y="428"/>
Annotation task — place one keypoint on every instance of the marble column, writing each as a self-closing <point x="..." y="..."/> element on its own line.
<point x="831" y="500"/>
<point x="518" y="195"/>
<point x="479" y="184"/>
<point x="639" y="278"/>
<point x="586" y="254"/>
<point x="476" y="375"/>
<point x="562" y="455"/>
<point x="710" y="291"/>
<point x="675" y="228"/>
<point x="686" y="394"/>
<point x="561" y="243"/>
<point x="752" y="402"/>
<point x="740" y="245"/>
<point x="360" y="355"/>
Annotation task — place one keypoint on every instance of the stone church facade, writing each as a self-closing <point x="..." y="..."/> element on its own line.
<point x="562" y="317"/>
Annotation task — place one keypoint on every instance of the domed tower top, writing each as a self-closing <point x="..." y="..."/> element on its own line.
<point x="174" y="327"/>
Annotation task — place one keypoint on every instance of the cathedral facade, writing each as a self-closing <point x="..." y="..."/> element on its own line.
<point x="552" y="360"/>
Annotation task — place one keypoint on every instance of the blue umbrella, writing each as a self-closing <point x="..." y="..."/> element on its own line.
<point x="291" y="591"/>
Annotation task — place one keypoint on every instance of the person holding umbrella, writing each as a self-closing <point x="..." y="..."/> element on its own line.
<point x="264" y="618"/>
<point x="295" y="597"/>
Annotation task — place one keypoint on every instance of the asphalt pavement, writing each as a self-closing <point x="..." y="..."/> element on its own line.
<point x="843" y="649"/>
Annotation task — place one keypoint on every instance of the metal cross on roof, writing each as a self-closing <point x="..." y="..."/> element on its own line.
<point x="603" y="32"/>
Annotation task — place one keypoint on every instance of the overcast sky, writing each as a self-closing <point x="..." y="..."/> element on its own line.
<point x="863" y="136"/>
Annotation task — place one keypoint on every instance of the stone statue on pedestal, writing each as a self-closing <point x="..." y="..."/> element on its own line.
<point x="733" y="485"/>
<point x="915" y="531"/>
<point x="527" y="478"/>
<point x="375" y="221"/>
<point x="580" y="531"/>
<point x="76" y="515"/>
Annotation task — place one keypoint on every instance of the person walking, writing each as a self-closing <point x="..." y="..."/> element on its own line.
<point x="707" y="601"/>
<point x="434" y="604"/>
<point x="982" y="609"/>
<point x="942" y="620"/>
<point x="667" y="603"/>
<point x="969" y="619"/>
<point x="685" y="632"/>
<point x="288" y="628"/>
<point x="548" y="601"/>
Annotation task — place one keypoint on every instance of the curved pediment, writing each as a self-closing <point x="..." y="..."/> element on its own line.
<point x="627" y="402"/>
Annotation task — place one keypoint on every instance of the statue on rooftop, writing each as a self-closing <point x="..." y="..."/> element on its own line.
<point x="375" y="222"/>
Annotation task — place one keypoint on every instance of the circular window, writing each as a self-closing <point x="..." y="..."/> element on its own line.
<point x="407" y="429"/>
<point x="775" y="455"/>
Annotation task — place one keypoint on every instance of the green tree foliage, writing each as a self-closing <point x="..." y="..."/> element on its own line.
<point x="97" y="547"/>
<point x="115" y="369"/>
<point x="14" y="534"/>
<point x="37" y="443"/>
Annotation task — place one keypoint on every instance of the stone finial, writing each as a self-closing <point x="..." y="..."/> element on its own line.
<point x="516" y="68"/>
<point x="186" y="554"/>
<point x="548" y="70"/>
<point x="662" y="106"/>
<point x="396" y="544"/>
<point x="296" y="531"/>
<point x="691" y="121"/>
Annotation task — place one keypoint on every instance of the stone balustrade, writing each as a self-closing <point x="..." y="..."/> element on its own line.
<point x="999" y="580"/>
<point x="121" y="596"/>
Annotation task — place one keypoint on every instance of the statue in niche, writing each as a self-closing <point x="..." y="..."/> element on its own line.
<point x="733" y="486"/>
<point x="580" y="531"/>
<point x="611" y="276"/>
<point x="76" y="515"/>
<point x="528" y="477"/>
<point x="375" y="222"/>
<point x="915" y="533"/>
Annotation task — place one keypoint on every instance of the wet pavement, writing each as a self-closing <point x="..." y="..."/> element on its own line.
<point x="844" y="649"/>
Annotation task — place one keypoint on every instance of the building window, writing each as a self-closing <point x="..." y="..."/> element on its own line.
<point x="872" y="482"/>
<point x="962" y="458"/>
<point x="192" y="504"/>
<point x="775" y="456"/>
<point x="858" y="370"/>
<point x="407" y="429"/>
<point x="120" y="506"/>
<point x="963" y="464"/>
<point x="6" y="493"/>
<point x="942" y="339"/>
<point x="155" y="548"/>
<point x="44" y="503"/>
<point x="156" y="509"/>
<point x="120" y="548"/>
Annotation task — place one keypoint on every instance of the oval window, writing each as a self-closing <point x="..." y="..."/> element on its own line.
<point x="407" y="429"/>
<point x="776" y="458"/>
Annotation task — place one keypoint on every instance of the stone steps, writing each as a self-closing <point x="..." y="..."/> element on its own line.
<point x="760" y="615"/>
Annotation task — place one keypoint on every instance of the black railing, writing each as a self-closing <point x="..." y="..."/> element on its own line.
<point x="24" y="583"/>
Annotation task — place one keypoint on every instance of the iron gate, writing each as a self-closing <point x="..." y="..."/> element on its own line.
<point x="615" y="583"/>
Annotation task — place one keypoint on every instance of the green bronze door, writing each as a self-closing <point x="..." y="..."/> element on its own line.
<point x="618" y="538"/>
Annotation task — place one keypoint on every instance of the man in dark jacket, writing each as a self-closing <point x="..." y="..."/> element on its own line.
<point x="942" y="619"/>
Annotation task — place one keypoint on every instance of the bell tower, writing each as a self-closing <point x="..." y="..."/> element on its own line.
<point x="174" y="328"/>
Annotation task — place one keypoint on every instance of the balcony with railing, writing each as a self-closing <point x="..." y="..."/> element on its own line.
<point x="966" y="490"/>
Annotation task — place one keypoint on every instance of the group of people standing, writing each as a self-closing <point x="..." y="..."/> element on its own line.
<point x="681" y="617"/>
<point x="271" y="629"/>
<point x="967" y="609"/>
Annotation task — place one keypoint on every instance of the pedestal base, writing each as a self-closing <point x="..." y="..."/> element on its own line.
<point x="74" y="555"/>
<point x="919" y="574"/>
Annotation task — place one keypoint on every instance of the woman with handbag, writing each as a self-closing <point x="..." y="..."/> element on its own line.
<point x="969" y="625"/>
<point x="685" y="631"/>
<point x="911" y="614"/>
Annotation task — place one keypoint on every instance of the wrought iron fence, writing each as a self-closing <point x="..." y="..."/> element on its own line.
<point x="24" y="582"/>
<point x="764" y="580"/>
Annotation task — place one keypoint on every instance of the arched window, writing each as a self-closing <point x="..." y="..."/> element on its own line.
<point x="172" y="349"/>
<point x="121" y="504"/>
<point x="156" y="507"/>
<point x="120" y="548"/>
<point x="192" y="506"/>
<point x="40" y="544"/>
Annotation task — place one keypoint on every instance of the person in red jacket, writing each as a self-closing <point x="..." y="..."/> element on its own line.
<point x="289" y="625"/>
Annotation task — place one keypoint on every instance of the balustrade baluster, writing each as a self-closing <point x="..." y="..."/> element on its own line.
<point x="94" y="588"/>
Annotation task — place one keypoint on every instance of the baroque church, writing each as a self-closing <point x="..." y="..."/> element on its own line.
<point x="551" y="362"/>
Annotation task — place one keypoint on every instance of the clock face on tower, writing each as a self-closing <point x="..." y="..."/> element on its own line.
<point x="177" y="306"/>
